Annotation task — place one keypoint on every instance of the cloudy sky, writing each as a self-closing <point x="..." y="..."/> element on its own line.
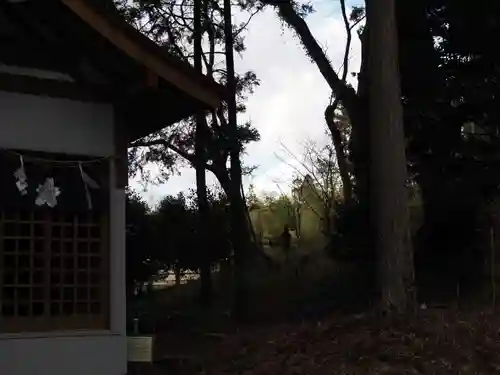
<point x="287" y="108"/>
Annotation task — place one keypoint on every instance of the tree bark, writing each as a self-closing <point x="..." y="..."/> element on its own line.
<point x="388" y="163"/>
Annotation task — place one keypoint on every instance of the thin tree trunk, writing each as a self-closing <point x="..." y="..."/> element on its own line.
<point x="388" y="168"/>
<point x="360" y="129"/>
<point x="339" y="152"/>
<point x="493" y="266"/>
<point x="226" y="184"/>
<point x="201" y="183"/>
<point x="177" y="271"/>
<point x="354" y="103"/>
<point x="239" y="226"/>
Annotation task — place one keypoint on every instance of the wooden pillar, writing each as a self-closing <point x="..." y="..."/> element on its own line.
<point x="118" y="183"/>
<point x="121" y="148"/>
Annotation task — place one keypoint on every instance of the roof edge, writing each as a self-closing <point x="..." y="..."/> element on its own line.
<point x="139" y="47"/>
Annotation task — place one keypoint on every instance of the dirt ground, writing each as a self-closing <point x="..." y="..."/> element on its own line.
<point x="435" y="342"/>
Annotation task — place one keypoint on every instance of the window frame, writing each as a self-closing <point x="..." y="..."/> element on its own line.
<point x="45" y="218"/>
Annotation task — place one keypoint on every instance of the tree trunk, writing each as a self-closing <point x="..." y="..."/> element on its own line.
<point x="360" y="130"/>
<point x="225" y="181"/>
<point x="298" y="220"/>
<point x="201" y="182"/>
<point x="388" y="168"/>
<point x="239" y="223"/>
<point x="177" y="271"/>
<point x="339" y="152"/>
<point x="356" y="105"/>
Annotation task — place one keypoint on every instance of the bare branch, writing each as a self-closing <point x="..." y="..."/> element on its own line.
<point x="309" y="171"/>
<point x="348" y="41"/>
<point x="245" y="25"/>
<point x="165" y="143"/>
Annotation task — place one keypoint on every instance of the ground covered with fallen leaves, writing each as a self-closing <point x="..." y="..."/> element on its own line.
<point x="435" y="342"/>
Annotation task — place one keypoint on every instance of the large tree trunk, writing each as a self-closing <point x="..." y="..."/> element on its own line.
<point x="388" y="163"/>
<point x="201" y="183"/>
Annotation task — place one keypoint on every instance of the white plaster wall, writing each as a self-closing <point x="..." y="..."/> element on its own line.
<point x="57" y="125"/>
<point x="60" y="125"/>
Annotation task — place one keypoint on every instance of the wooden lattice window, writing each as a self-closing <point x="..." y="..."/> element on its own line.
<point x="54" y="267"/>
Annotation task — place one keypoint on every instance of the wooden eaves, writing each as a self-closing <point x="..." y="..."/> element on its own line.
<point x="155" y="88"/>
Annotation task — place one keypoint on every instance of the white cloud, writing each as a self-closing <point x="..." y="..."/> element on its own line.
<point x="289" y="104"/>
